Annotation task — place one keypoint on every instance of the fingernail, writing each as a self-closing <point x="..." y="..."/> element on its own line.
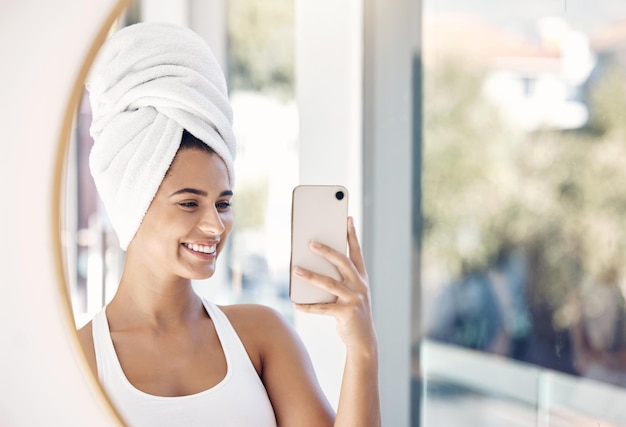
<point x="298" y="271"/>
<point x="316" y="244"/>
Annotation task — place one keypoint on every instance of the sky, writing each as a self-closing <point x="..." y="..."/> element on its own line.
<point x="521" y="15"/>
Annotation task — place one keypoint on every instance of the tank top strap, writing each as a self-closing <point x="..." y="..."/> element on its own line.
<point x="106" y="357"/>
<point x="234" y="350"/>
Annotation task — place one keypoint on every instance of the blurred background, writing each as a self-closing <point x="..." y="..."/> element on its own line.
<point x="483" y="143"/>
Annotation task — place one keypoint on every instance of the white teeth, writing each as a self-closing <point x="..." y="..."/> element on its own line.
<point x="200" y="248"/>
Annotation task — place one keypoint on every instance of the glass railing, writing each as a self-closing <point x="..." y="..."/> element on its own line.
<point x="464" y="387"/>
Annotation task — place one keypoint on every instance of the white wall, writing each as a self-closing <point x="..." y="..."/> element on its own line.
<point x="44" y="46"/>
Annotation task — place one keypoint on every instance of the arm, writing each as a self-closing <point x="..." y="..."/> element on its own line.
<point x="359" y="400"/>
<point x="283" y="365"/>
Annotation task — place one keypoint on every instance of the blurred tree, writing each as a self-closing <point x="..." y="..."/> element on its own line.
<point x="249" y="204"/>
<point x="261" y="46"/>
<point x="557" y="195"/>
<point x="583" y="179"/>
<point x="606" y="91"/>
<point x="467" y="172"/>
<point x="485" y="183"/>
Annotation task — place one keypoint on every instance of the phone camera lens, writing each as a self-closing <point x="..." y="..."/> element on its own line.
<point x="339" y="195"/>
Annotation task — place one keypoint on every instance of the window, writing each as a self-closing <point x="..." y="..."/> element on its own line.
<point x="523" y="248"/>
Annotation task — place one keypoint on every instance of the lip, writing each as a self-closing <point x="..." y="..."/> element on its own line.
<point x="201" y="255"/>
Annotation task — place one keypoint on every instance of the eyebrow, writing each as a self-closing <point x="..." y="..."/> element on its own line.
<point x="199" y="192"/>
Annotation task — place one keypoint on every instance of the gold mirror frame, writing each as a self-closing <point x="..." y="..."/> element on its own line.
<point x="60" y="167"/>
<point x="49" y="48"/>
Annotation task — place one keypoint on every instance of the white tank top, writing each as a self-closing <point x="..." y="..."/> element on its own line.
<point x="239" y="400"/>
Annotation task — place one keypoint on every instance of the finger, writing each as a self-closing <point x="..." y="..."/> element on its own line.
<point x="342" y="262"/>
<point x="323" y="308"/>
<point x="338" y="311"/>
<point x="354" y="248"/>
<point x="326" y="283"/>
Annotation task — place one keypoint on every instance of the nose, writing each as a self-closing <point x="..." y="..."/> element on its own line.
<point x="211" y="222"/>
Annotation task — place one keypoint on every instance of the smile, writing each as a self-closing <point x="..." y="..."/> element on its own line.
<point x="201" y="248"/>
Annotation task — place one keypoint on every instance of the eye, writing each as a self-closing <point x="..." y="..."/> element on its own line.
<point x="223" y="205"/>
<point x="188" y="205"/>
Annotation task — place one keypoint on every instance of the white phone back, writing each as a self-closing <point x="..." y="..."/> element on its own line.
<point x="316" y="214"/>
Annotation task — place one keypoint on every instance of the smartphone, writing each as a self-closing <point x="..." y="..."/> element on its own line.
<point x="320" y="213"/>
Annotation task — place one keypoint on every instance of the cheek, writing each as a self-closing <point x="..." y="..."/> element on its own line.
<point x="156" y="230"/>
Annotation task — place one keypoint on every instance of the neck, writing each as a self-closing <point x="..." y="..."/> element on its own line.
<point x="146" y="300"/>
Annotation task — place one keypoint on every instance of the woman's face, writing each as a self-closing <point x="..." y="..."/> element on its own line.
<point x="188" y="221"/>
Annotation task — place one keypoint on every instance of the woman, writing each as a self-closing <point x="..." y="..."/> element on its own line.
<point x="163" y="164"/>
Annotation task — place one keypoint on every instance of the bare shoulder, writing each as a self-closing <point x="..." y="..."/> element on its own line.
<point x="262" y="330"/>
<point x="257" y="323"/>
<point x="253" y="316"/>
<point x="85" y="337"/>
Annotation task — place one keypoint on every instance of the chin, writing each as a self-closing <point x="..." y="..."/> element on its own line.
<point x="195" y="275"/>
<point x="200" y="275"/>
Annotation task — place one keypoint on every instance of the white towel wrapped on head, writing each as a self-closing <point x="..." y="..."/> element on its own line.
<point x="151" y="81"/>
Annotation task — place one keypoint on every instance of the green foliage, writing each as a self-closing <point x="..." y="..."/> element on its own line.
<point x="261" y="46"/>
<point x="560" y="196"/>
<point x="249" y="204"/>
<point x="465" y="147"/>
<point x="607" y="99"/>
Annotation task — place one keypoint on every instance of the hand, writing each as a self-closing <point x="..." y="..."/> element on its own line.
<point x="352" y="310"/>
